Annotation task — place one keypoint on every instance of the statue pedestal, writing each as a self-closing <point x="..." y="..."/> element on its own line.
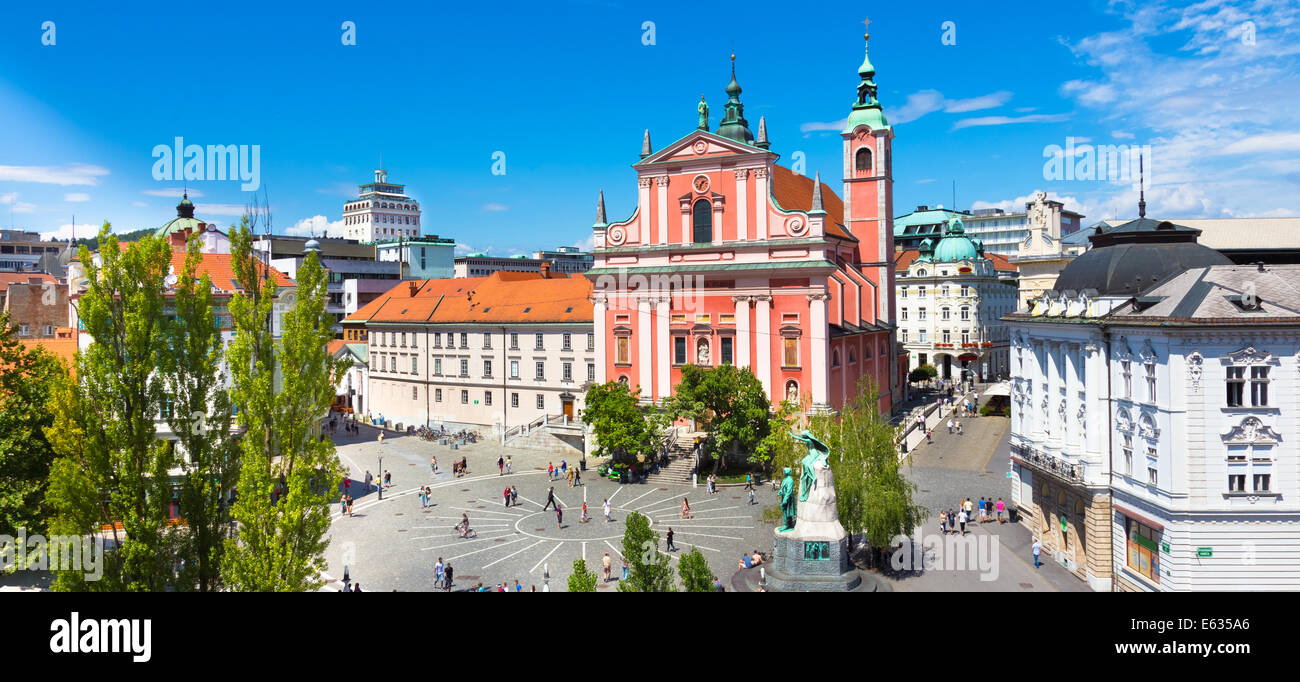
<point x="814" y="557"/>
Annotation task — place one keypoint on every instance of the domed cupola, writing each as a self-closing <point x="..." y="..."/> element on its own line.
<point x="955" y="245"/>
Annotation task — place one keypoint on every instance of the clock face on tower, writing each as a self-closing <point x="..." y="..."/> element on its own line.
<point x="701" y="183"/>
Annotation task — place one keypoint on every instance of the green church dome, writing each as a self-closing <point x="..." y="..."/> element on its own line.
<point x="955" y="245"/>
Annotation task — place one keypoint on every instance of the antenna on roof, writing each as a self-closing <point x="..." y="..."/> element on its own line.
<point x="954" y="195"/>
<point x="1142" y="197"/>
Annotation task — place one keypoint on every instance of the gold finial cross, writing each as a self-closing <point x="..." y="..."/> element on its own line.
<point x="866" y="27"/>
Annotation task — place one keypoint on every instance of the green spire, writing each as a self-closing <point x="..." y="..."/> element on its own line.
<point x="866" y="110"/>
<point x="733" y="124"/>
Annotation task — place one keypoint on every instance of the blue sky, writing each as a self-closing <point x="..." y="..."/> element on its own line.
<point x="565" y="90"/>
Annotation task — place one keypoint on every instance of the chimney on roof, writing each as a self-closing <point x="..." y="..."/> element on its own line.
<point x="546" y="269"/>
<point x="922" y="208"/>
<point x="412" y="287"/>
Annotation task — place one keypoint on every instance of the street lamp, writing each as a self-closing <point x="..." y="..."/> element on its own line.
<point x="381" y="477"/>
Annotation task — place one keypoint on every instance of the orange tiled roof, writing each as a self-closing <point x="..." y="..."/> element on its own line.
<point x="7" y="278"/>
<point x="500" y="298"/>
<point x="794" y="192"/>
<point x="903" y="260"/>
<point x="334" y="345"/>
<point x="65" y="349"/>
<point x="218" y="267"/>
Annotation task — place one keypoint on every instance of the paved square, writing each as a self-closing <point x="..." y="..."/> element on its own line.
<point x="393" y="544"/>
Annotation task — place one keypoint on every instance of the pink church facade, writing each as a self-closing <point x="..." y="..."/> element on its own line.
<point x="732" y="258"/>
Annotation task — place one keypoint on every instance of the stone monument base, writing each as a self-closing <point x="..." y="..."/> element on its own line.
<point x="796" y="567"/>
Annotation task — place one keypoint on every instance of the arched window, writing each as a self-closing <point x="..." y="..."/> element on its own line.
<point x="703" y="221"/>
<point x="835" y="357"/>
<point x="862" y="160"/>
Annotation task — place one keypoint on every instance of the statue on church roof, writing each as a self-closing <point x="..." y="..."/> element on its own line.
<point x="704" y="113"/>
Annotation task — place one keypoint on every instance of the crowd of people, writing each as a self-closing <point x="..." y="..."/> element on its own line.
<point x="986" y="510"/>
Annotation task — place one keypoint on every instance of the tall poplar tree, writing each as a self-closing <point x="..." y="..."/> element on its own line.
<point x="111" y="470"/>
<point x="283" y="390"/>
<point x="200" y="418"/>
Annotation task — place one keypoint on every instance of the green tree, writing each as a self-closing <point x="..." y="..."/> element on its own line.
<point x="695" y="573"/>
<point x="727" y="402"/>
<point x="27" y="378"/>
<point x="622" y="426"/>
<point x="201" y="421"/>
<point x="111" y="469"/>
<point x="288" y="474"/>
<point x="582" y="579"/>
<point x="648" y="568"/>
<point x="922" y="373"/>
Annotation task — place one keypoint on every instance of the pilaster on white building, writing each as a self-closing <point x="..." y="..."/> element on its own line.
<point x="381" y="211"/>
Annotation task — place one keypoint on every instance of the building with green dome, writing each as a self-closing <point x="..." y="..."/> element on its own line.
<point x="951" y="296"/>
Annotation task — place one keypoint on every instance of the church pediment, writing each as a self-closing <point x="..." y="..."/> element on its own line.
<point x="698" y="145"/>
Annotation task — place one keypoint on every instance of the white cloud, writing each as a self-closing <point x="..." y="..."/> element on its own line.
<point x="466" y="249"/>
<point x="64" y="232"/>
<point x="919" y="104"/>
<point x="316" y="226"/>
<point x="201" y="210"/>
<point x="1181" y="74"/>
<point x="139" y="203"/>
<point x="923" y="181"/>
<point x="1008" y="120"/>
<point x="173" y="192"/>
<point x="823" y="126"/>
<point x="76" y="197"/>
<point x="10" y="199"/>
<point x="586" y="243"/>
<point x="72" y="174"/>
<point x="1017" y="205"/>
<point x="494" y="207"/>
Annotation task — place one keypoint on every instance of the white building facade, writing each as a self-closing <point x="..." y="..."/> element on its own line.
<point x="381" y="211"/>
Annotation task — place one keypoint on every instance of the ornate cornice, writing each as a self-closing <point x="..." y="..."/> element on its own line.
<point x="1253" y="431"/>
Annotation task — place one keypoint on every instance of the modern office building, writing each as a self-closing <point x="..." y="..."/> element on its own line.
<point x="427" y="257"/>
<point x="569" y="260"/>
<point x="1001" y="232"/>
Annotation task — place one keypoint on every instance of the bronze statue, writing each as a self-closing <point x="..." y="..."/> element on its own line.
<point x="787" y="502"/>
<point x="817" y="454"/>
<point x="704" y="113"/>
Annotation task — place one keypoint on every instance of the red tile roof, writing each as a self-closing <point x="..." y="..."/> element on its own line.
<point x="903" y="260"/>
<point x="794" y="193"/>
<point x="7" y="278"/>
<point x="218" y="266"/>
<point x="500" y="298"/>
<point x="65" y="349"/>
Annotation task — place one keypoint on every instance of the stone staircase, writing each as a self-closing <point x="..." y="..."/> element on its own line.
<point x="680" y="460"/>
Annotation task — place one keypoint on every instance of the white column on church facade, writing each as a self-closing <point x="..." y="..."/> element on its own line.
<point x="644" y="340"/>
<point x="1070" y="426"/>
<point x="686" y="224"/>
<point x="742" y="330"/>
<point x="664" y="347"/>
<point x="643" y="217"/>
<point x="598" y="324"/>
<point x="763" y="338"/>
<point x="742" y="205"/>
<point x="662" y="183"/>
<point x="760" y="203"/>
<point x="817" y="322"/>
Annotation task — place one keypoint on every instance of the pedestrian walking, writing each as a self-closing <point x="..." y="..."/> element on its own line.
<point x="1001" y="506"/>
<point x="577" y="477"/>
<point x="564" y="467"/>
<point x="422" y="502"/>
<point x="433" y="465"/>
<point x="605" y="508"/>
<point x="447" y="579"/>
<point x="370" y="479"/>
<point x="583" y="517"/>
<point x="508" y="471"/>
<point x="437" y="573"/>
<point x="607" y="565"/>
<point x="506" y="497"/>
<point x="388" y="479"/>
<point x="501" y="466"/>
<point x="550" y="499"/>
<point x="671" y="546"/>
<point x="381" y="437"/>
<point x="624" y="568"/>
<point x="686" y="509"/>
<point x="961" y="521"/>
<point x="943" y="522"/>
<point x="959" y="427"/>
<point x="1038" y="547"/>
<point x="514" y="496"/>
<point x="981" y="510"/>
<point x="929" y="435"/>
<point x="950" y="426"/>
<point x="559" y="518"/>
<point x="751" y="496"/>
<point x="550" y="471"/>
